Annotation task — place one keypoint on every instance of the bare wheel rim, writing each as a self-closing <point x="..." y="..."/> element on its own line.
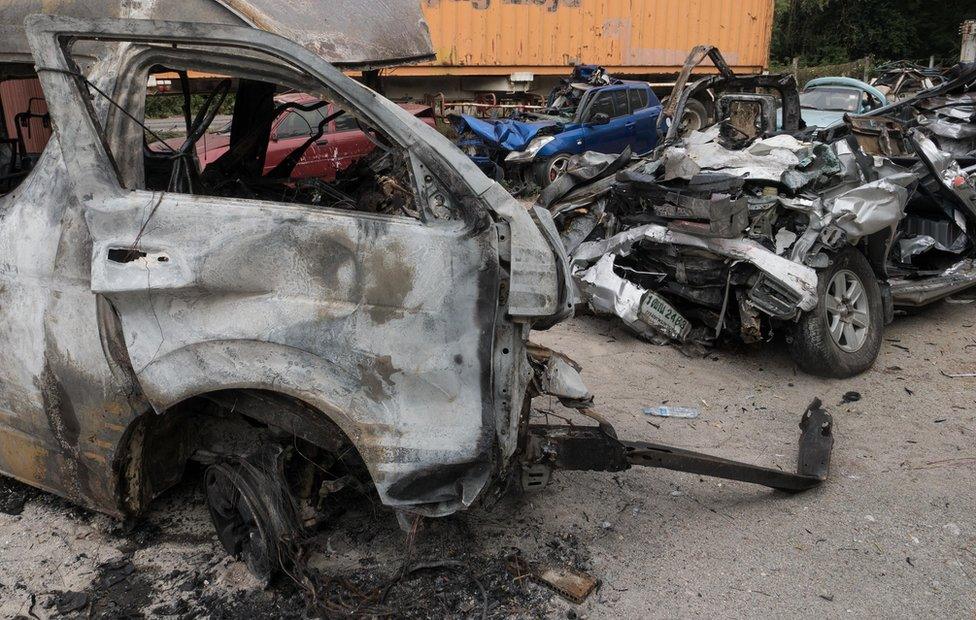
<point x="848" y="312"/>
<point x="557" y="167"/>
<point x="691" y="120"/>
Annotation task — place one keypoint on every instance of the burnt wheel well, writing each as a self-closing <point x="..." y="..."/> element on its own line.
<point x="157" y="449"/>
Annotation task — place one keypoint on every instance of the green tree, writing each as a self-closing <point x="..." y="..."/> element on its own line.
<point x="834" y="31"/>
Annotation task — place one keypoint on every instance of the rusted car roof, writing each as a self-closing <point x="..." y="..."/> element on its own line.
<point x="344" y="32"/>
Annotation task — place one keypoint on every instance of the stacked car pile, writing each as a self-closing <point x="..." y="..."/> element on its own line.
<point x="745" y="229"/>
<point x="589" y="111"/>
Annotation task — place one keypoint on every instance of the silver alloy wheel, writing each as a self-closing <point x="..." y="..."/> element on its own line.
<point x="848" y="313"/>
<point x="557" y="167"/>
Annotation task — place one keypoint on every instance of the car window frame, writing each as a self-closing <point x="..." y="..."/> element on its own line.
<point x="98" y="175"/>
<point x="344" y="118"/>
<point x="603" y="92"/>
<point x="635" y="92"/>
<point x="135" y="70"/>
<point x="615" y="94"/>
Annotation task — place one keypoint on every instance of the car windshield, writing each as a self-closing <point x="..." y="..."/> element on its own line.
<point x="831" y="99"/>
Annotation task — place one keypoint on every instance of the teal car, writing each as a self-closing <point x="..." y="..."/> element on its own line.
<point x="825" y="101"/>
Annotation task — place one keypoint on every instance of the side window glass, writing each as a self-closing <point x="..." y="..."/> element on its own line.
<point x="620" y="102"/>
<point x="643" y="97"/>
<point x="635" y="100"/>
<point x="346" y="123"/>
<point x="603" y="104"/>
<point x="292" y="125"/>
<point x="299" y="123"/>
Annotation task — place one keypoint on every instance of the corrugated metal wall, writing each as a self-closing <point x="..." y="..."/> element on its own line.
<point x="638" y="36"/>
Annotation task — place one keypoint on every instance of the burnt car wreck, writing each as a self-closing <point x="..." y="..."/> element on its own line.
<point x="300" y="340"/>
<point x="756" y="226"/>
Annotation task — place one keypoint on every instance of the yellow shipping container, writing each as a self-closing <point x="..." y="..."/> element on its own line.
<point x="628" y="37"/>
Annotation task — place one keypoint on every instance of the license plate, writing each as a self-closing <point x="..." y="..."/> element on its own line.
<point x="658" y="313"/>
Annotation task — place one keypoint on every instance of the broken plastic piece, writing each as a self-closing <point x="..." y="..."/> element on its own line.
<point x="672" y="412"/>
<point x="571" y="584"/>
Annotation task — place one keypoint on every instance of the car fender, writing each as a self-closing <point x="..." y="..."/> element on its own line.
<point x="339" y="390"/>
<point x="570" y="142"/>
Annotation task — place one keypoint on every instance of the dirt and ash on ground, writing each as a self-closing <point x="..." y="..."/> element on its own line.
<point x="893" y="531"/>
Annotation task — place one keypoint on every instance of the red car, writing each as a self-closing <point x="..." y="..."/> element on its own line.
<point x="342" y="143"/>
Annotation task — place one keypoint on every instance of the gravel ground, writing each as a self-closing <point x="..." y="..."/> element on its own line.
<point x="893" y="533"/>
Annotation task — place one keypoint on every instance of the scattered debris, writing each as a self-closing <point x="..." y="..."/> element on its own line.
<point x="13" y="496"/>
<point x="573" y="585"/>
<point x="115" y="571"/>
<point x="958" y="375"/>
<point x="850" y="397"/>
<point x="68" y="602"/>
<point x="672" y="412"/>
<point x="410" y="572"/>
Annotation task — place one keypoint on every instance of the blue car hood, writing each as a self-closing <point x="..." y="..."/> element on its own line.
<point x="821" y="118"/>
<point x="814" y="118"/>
<point x="507" y="134"/>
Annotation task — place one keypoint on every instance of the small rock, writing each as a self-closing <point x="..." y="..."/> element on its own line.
<point x="68" y="602"/>
<point x="952" y="528"/>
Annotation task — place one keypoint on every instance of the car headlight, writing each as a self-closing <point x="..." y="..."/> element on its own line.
<point x="518" y="157"/>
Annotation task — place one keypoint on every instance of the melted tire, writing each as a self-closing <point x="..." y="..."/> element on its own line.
<point x="811" y="345"/>
<point x="253" y="514"/>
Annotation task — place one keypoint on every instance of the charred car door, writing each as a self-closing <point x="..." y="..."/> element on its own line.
<point x="388" y="323"/>
<point x="61" y="405"/>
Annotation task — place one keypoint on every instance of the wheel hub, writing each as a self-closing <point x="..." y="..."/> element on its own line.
<point x="847" y="310"/>
<point x="558" y="167"/>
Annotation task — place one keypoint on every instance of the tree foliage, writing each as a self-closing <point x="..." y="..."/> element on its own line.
<point x="836" y="31"/>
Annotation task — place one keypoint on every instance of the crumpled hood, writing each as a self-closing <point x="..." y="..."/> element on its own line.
<point x="348" y="33"/>
<point x="508" y="134"/>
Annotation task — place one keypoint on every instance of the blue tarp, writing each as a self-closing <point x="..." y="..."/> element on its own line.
<point x="508" y="134"/>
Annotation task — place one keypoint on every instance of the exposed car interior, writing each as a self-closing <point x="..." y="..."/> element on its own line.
<point x="377" y="183"/>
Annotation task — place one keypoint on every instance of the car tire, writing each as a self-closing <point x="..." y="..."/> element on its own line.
<point x="548" y="170"/>
<point x="253" y="513"/>
<point x="695" y="117"/>
<point x="841" y="337"/>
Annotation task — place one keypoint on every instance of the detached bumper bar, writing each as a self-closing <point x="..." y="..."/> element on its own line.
<point x="590" y="448"/>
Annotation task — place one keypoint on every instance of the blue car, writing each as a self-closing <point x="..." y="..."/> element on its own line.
<point x="535" y="148"/>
